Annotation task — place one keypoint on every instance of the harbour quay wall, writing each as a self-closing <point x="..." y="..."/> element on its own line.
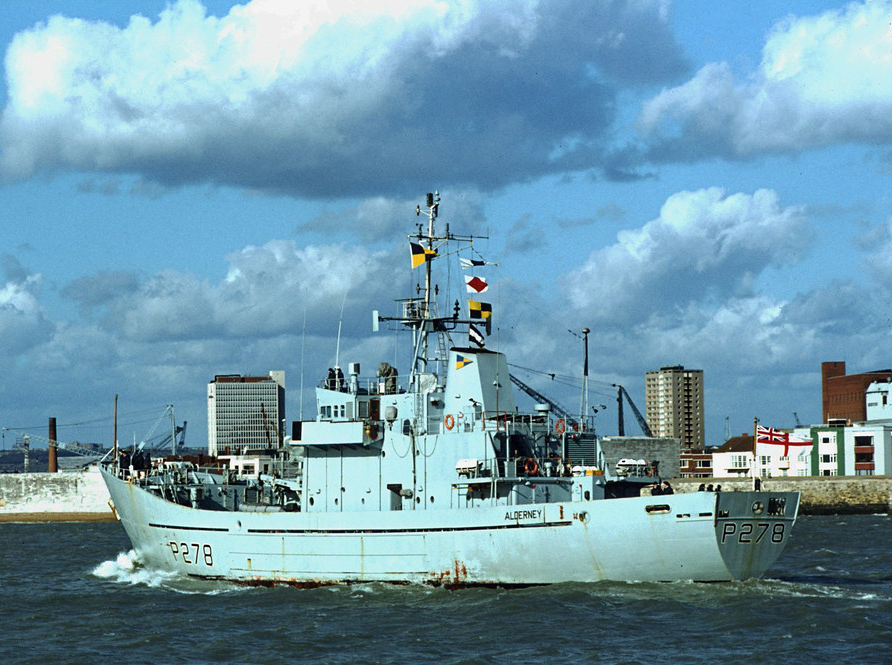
<point x="78" y="496"/>
<point x="663" y="450"/>
<point x="821" y="495"/>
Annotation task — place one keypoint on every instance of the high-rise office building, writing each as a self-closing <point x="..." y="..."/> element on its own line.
<point x="246" y="413"/>
<point x="674" y="404"/>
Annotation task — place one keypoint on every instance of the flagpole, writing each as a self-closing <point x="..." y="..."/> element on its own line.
<point x="755" y="439"/>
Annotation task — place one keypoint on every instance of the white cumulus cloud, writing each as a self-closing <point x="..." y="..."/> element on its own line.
<point x="823" y="79"/>
<point x="330" y="99"/>
<point x="23" y="320"/>
<point x="267" y="291"/>
<point x="706" y="245"/>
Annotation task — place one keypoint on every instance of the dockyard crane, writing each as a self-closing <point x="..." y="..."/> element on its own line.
<point x="70" y="447"/>
<point x="536" y="395"/>
<point x="179" y="444"/>
<point x="645" y="428"/>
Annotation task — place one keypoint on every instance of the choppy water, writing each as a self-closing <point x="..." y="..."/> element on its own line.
<point x="71" y="593"/>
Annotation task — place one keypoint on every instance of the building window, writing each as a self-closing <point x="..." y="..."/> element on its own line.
<point x="739" y="461"/>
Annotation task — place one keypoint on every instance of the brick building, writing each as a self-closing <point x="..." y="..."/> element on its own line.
<point x="695" y="463"/>
<point x="844" y="395"/>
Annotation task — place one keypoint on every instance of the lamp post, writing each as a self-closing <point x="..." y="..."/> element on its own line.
<point x="583" y="406"/>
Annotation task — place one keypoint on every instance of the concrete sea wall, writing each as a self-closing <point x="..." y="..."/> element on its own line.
<point x="821" y="495"/>
<point x="54" y="497"/>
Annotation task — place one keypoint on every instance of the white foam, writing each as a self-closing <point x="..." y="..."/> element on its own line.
<point x="127" y="568"/>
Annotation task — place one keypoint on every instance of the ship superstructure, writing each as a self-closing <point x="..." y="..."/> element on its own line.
<point x="438" y="477"/>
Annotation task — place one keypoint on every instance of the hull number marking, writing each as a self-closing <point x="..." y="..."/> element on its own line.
<point x="192" y="553"/>
<point x="750" y="533"/>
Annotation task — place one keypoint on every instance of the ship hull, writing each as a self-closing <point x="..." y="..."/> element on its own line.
<point x="702" y="536"/>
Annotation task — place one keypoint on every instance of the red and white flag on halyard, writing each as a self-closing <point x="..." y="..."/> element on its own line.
<point x="768" y="436"/>
<point x="476" y="284"/>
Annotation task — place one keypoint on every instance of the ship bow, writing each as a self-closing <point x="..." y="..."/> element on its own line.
<point x="752" y="529"/>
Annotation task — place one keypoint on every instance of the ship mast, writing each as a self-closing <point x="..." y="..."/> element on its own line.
<point x="433" y="203"/>
<point x="419" y="313"/>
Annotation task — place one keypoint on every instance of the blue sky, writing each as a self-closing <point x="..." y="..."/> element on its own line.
<point x="191" y="189"/>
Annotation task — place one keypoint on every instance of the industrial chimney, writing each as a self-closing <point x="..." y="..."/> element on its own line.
<point x="53" y="463"/>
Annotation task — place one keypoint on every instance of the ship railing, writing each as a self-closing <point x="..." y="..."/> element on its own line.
<point x="544" y="467"/>
<point x="415" y="309"/>
<point x="505" y="420"/>
<point x="391" y="385"/>
<point x="518" y="466"/>
<point x="637" y="468"/>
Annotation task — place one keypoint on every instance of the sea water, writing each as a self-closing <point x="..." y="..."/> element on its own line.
<point x="76" y="593"/>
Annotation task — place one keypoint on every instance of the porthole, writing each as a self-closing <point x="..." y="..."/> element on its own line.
<point x="432" y="499"/>
<point x="311" y="501"/>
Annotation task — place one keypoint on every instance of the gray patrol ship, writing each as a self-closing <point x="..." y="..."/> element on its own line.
<point x="441" y="479"/>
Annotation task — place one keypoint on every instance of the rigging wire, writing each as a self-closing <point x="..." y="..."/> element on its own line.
<point x="96" y="422"/>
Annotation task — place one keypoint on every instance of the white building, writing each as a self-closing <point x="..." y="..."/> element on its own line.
<point x="839" y="449"/>
<point x="246" y="413"/>
<point x="734" y="459"/>
<point x="879" y="406"/>
<point x="861" y="449"/>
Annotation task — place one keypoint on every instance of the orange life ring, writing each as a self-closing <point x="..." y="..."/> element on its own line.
<point x="560" y="426"/>
<point x="531" y="466"/>
<point x="449" y="421"/>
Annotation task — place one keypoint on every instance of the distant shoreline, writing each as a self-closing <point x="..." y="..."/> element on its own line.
<point x="37" y="518"/>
